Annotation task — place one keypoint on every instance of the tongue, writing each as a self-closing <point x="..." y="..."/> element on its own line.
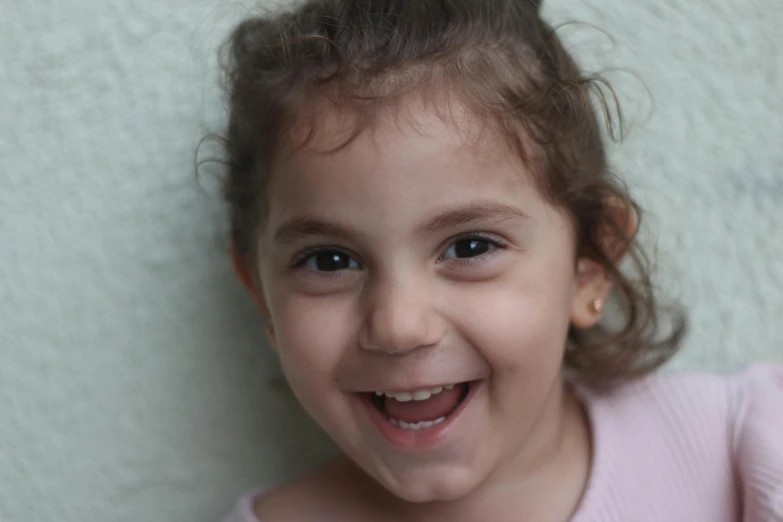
<point x="437" y="406"/>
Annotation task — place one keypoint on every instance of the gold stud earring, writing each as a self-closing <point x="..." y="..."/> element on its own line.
<point x="597" y="305"/>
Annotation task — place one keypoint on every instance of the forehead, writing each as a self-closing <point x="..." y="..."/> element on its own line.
<point x="326" y="125"/>
<point x="407" y="159"/>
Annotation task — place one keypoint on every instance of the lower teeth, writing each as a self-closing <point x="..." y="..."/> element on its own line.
<point x="414" y="426"/>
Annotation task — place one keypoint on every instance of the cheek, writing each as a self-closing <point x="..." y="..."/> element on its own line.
<point x="313" y="336"/>
<point x="520" y="320"/>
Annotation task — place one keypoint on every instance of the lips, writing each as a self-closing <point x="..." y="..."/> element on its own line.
<point x="425" y="423"/>
<point x="422" y="408"/>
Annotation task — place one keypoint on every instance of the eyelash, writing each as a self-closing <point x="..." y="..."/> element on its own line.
<point x="494" y="242"/>
<point x="302" y="258"/>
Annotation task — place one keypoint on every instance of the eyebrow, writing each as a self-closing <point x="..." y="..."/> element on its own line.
<point x="302" y="227"/>
<point x="494" y="211"/>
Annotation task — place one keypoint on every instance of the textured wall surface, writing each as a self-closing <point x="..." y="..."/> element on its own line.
<point x="134" y="383"/>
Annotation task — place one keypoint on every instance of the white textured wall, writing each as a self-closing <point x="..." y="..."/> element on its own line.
<point x="133" y="376"/>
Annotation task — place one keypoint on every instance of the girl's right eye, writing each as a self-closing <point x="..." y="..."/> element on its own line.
<point x="328" y="261"/>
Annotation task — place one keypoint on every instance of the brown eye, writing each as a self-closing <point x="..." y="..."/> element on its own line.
<point x="469" y="247"/>
<point x="329" y="261"/>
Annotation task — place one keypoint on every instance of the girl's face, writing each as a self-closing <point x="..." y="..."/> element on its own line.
<point x="415" y="265"/>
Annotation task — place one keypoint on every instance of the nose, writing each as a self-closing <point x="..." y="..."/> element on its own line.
<point x="401" y="317"/>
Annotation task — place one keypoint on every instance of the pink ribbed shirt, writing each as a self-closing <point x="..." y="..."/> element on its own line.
<point x="679" y="448"/>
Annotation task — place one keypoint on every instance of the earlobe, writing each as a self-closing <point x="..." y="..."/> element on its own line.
<point x="270" y="335"/>
<point x="592" y="280"/>
<point x="592" y="288"/>
<point x="242" y="270"/>
<point x="245" y="275"/>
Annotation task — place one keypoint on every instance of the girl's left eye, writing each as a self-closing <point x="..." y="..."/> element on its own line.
<point x="470" y="246"/>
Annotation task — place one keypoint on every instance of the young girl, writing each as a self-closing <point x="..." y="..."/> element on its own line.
<point x="421" y="205"/>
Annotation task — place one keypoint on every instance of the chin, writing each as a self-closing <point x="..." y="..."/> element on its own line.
<point x="431" y="487"/>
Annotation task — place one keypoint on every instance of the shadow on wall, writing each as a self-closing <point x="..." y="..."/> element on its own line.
<point x="759" y="184"/>
<point x="750" y="183"/>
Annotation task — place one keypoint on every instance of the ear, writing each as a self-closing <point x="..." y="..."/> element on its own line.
<point x="592" y="280"/>
<point x="592" y="288"/>
<point x="246" y="276"/>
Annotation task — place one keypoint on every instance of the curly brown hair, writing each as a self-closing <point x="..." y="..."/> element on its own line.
<point x="504" y="62"/>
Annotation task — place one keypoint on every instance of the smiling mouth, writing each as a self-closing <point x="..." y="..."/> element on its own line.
<point x="421" y="409"/>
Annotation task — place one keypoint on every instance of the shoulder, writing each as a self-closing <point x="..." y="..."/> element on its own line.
<point x="706" y="418"/>
<point x="324" y="495"/>
<point x="708" y="434"/>
<point x="668" y="399"/>
<point x="757" y="443"/>
<point x="757" y="397"/>
<point x="726" y="398"/>
<point x="740" y="411"/>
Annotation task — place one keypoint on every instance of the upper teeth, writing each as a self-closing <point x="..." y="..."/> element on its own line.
<point x="418" y="395"/>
